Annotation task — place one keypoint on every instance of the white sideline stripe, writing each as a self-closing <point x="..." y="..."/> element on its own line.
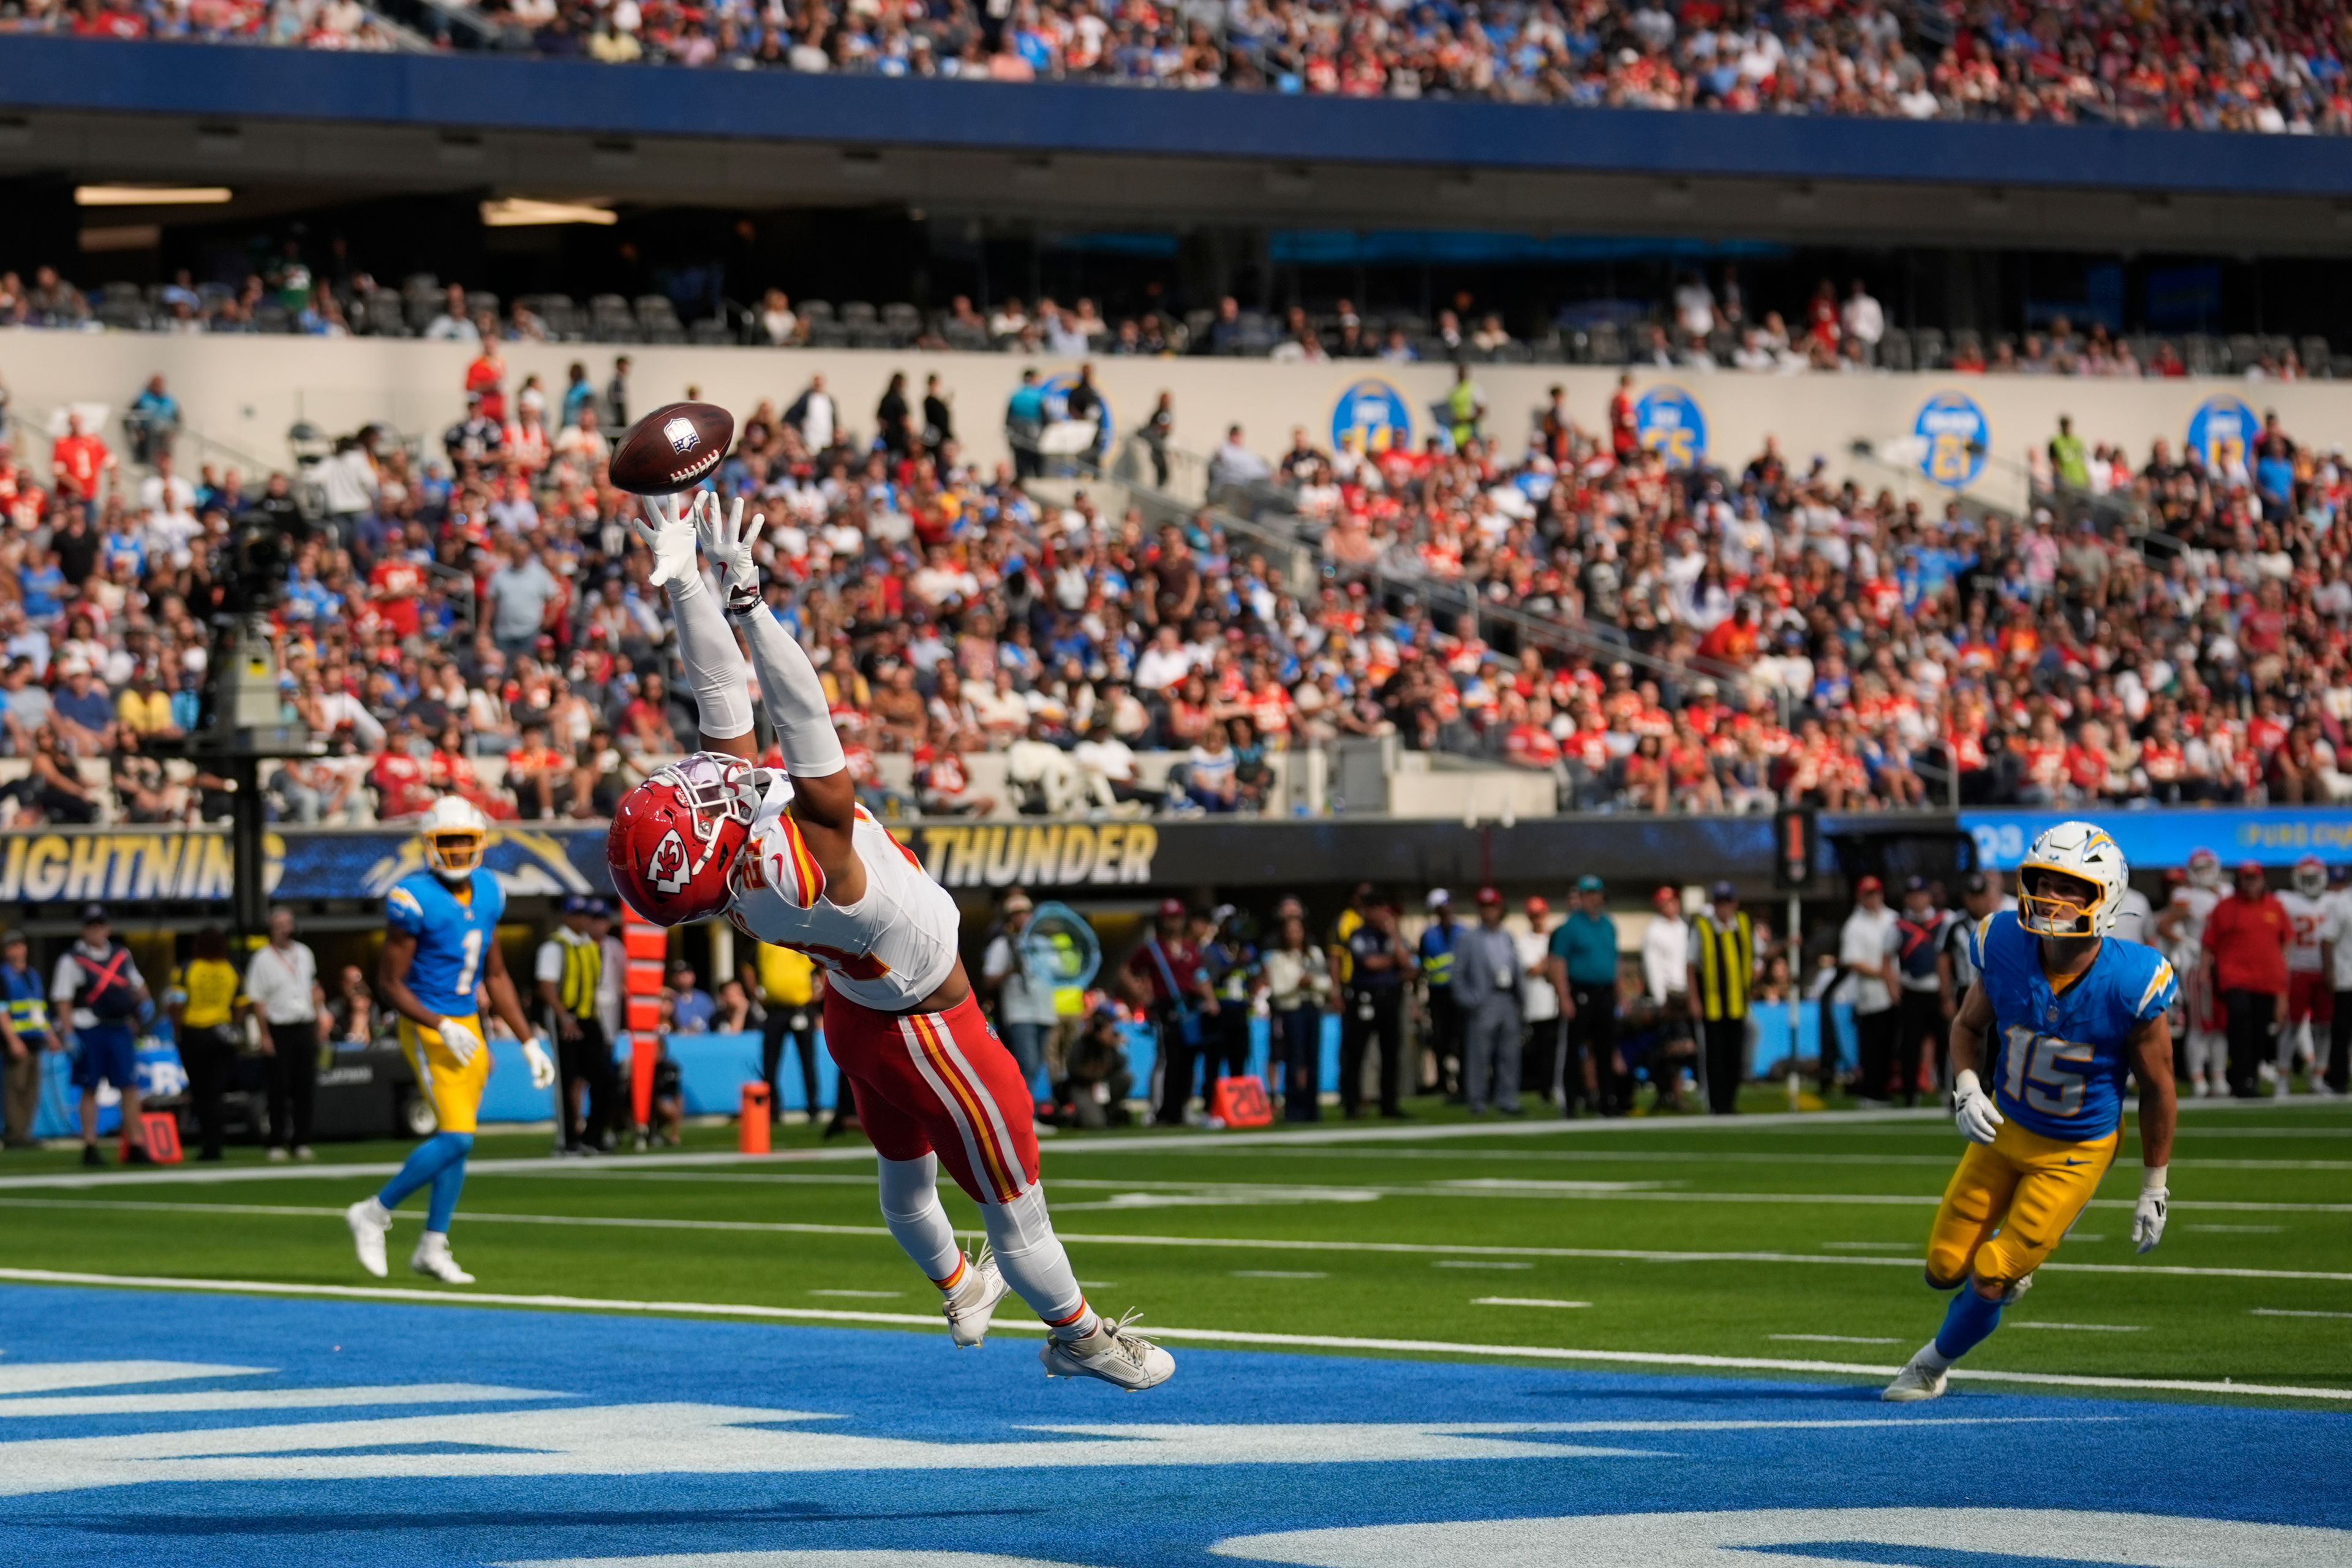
<point x="2088" y="1328"/>
<point x="1276" y="1274"/>
<point x="1245" y="1243"/>
<point x="1682" y="1157"/>
<point x="1206" y="1336"/>
<point x="265" y="1399"/>
<point x="2290" y="1312"/>
<point x="1523" y="1301"/>
<point x="1836" y="1339"/>
<point x="1924" y="1120"/>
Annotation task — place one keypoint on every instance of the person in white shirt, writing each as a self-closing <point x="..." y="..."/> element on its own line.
<point x="1023" y="1007"/>
<point x="1666" y="975"/>
<point x="1538" y="999"/>
<point x="1863" y="320"/>
<point x="282" y="981"/>
<point x="1866" y="952"/>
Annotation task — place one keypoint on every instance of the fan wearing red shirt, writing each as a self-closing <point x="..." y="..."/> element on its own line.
<point x="1732" y="641"/>
<point x="79" y="461"/>
<point x="400" y="787"/>
<point x="487" y="375"/>
<point x="1624" y="438"/>
<point x="2246" y="942"/>
<point x="395" y="585"/>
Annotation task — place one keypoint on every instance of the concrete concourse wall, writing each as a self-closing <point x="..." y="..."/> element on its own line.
<point x="244" y="393"/>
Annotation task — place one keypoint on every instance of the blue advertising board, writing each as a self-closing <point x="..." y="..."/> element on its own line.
<point x="1957" y="438"/>
<point x="2222" y="432"/>
<point x="2271" y="836"/>
<point x="1372" y="417"/>
<point x="1670" y="422"/>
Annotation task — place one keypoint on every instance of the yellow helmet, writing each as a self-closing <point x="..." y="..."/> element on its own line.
<point x="456" y="834"/>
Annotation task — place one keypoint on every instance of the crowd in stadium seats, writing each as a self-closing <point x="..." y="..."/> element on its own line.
<point x="2276" y="69"/>
<point x="1699" y="326"/>
<point x="475" y="618"/>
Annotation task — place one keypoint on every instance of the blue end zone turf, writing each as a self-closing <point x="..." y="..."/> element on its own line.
<point x="559" y="1437"/>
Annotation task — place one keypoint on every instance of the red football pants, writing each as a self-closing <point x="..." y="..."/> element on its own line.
<point x="939" y="1083"/>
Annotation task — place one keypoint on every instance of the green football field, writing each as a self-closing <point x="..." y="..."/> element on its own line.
<point x="1769" y="1242"/>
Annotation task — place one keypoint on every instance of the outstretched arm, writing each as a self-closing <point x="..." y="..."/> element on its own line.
<point x="714" y="665"/>
<point x="824" y="796"/>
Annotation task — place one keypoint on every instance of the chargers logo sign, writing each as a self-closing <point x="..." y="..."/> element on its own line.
<point x="1956" y="437"/>
<point x="2222" y="432"/>
<point x="1670" y="422"/>
<point x="1369" y="418"/>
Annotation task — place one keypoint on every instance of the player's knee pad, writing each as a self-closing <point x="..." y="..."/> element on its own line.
<point x="1020" y="1226"/>
<point x="909" y="1188"/>
<point x="1936" y="1282"/>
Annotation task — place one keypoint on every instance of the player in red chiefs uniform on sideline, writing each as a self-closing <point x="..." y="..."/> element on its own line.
<point x="794" y="860"/>
<point x="2246" y="939"/>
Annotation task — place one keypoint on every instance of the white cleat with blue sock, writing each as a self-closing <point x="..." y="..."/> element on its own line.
<point x="370" y="1221"/>
<point x="1922" y="1377"/>
<point x="432" y="1259"/>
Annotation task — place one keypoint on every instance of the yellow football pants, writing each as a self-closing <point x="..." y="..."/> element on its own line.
<point x="454" y="1088"/>
<point x="2010" y="1203"/>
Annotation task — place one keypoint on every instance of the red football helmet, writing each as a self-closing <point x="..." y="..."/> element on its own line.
<point x="675" y="836"/>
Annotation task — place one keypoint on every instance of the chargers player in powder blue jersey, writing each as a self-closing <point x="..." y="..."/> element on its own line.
<point x="441" y="947"/>
<point x="2070" y="1008"/>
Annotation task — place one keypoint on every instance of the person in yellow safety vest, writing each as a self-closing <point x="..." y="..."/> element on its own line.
<point x="1722" y="983"/>
<point x="786" y="983"/>
<point x="569" y="969"/>
<point x="1466" y="405"/>
<point x="25" y="1037"/>
<point x="2069" y="461"/>
<point x="1351" y="919"/>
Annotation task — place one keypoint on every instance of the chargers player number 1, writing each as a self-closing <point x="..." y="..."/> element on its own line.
<point x="2035" y="1063"/>
<point x="469" y="963"/>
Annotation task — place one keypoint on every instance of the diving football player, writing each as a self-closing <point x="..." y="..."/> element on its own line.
<point x="440" y="949"/>
<point x="2070" y="1009"/>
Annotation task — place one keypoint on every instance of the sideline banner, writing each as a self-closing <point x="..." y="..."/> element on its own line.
<point x="2269" y="836"/>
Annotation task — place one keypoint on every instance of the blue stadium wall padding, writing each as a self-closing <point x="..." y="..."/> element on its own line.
<point x="489" y="92"/>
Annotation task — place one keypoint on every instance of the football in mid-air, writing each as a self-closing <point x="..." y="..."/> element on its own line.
<point x="675" y="447"/>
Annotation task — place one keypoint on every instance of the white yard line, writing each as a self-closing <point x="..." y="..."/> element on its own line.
<point x="1244" y="1243"/>
<point x="1204" y="1336"/>
<point x="2085" y="1328"/>
<point x="1275" y="1273"/>
<point x="1460" y="1263"/>
<point x="863" y="1295"/>
<point x="264" y="1399"/>
<point x="1523" y="1301"/>
<point x="2237" y="1229"/>
<point x="2290" y="1312"/>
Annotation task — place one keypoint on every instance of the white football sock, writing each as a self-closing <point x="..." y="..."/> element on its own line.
<point x="911" y="1208"/>
<point x="1033" y="1264"/>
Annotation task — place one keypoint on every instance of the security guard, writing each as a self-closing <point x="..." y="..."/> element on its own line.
<point x="570" y="970"/>
<point x="1438" y="939"/>
<point x="1722" y="981"/>
<point x="24" y="1038"/>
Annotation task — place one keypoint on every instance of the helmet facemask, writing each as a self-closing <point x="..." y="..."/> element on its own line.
<point x="455" y="853"/>
<point x="2055" y="903"/>
<point x="2310" y="878"/>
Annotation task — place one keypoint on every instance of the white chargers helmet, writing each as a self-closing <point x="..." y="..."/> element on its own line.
<point x="2311" y="877"/>
<point x="2091" y="893"/>
<point x="456" y="834"/>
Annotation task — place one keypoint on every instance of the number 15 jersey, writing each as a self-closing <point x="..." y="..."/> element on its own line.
<point x="2060" y="1057"/>
<point x="452" y="938"/>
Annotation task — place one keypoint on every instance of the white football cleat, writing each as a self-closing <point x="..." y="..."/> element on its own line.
<point x="970" y="1306"/>
<point x="433" y="1260"/>
<point x="1114" y="1352"/>
<point x="2202" y="1091"/>
<point x="2320" y="1087"/>
<point x="370" y="1221"/>
<point x="1919" y="1379"/>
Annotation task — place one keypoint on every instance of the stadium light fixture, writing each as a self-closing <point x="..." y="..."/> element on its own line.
<point x="151" y="196"/>
<point x="522" y="212"/>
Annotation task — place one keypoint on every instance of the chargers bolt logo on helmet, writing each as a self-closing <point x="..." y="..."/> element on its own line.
<point x="2072" y="882"/>
<point x="675" y="836"/>
<point x="456" y="834"/>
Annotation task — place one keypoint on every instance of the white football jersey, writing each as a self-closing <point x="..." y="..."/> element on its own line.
<point x="2305" y="916"/>
<point x="2188" y="949"/>
<point x="888" y="951"/>
<point x="2133" y="916"/>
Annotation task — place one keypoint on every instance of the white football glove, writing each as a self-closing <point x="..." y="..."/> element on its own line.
<point x="542" y="1065"/>
<point x="1973" y="1111"/>
<point x="729" y="543"/>
<point x="2147" y="1217"/>
<point x="458" y="1040"/>
<point x="669" y="534"/>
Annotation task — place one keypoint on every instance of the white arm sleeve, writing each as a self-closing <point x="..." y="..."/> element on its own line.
<point x="714" y="665"/>
<point x="794" y="697"/>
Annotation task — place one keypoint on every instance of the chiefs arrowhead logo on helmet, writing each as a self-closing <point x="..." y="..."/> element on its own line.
<point x="675" y="836"/>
